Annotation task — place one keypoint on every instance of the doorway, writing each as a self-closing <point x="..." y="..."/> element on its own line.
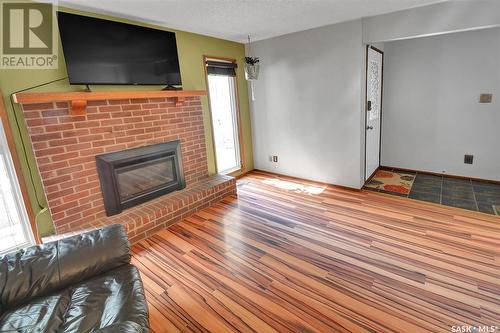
<point x="224" y="113"/>
<point x="373" y="109"/>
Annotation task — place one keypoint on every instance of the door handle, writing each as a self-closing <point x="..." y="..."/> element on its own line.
<point x="369" y="106"/>
<point x="369" y="127"/>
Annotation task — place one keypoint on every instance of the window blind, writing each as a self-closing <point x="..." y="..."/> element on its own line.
<point x="221" y="68"/>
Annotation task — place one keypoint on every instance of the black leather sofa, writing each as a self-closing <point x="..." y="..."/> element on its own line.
<point x="83" y="283"/>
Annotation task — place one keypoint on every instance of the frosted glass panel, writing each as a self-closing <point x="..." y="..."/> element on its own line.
<point x="374" y="85"/>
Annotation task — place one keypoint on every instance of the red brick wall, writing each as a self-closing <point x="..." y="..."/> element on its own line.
<point x="65" y="146"/>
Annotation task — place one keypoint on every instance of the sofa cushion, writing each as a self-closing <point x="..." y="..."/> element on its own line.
<point x="112" y="298"/>
<point x="125" y="327"/>
<point x="92" y="253"/>
<point x="44" y="269"/>
<point x="28" y="272"/>
<point x="44" y="314"/>
<point x="112" y="302"/>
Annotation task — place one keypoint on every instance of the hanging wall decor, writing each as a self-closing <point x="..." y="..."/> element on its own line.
<point x="252" y="67"/>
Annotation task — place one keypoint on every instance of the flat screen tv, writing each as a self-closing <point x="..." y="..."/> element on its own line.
<point x="106" y="52"/>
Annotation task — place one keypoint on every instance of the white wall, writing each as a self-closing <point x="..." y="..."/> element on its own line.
<point x="308" y="104"/>
<point x="431" y="115"/>
<point x="310" y="95"/>
<point x="445" y="17"/>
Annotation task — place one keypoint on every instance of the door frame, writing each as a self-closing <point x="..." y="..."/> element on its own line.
<point x="365" y="108"/>
<point x="238" y="115"/>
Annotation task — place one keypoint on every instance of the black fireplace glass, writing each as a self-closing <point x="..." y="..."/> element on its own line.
<point x="144" y="177"/>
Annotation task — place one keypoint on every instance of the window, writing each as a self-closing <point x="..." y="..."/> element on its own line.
<point x="15" y="230"/>
<point x="221" y="78"/>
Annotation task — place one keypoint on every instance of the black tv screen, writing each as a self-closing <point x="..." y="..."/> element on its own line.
<point x="106" y="52"/>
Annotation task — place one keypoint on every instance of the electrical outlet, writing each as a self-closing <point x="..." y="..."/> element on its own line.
<point x="485" y="98"/>
<point x="275" y="158"/>
<point x="468" y="159"/>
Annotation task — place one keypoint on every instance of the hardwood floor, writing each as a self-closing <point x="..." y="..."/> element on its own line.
<point x="294" y="256"/>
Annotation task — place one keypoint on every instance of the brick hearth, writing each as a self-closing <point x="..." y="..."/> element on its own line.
<point x="65" y="147"/>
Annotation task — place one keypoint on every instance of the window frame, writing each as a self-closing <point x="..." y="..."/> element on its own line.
<point x="232" y="172"/>
<point x="16" y="172"/>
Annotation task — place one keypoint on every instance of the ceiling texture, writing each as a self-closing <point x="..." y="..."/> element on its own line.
<point x="236" y="19"/>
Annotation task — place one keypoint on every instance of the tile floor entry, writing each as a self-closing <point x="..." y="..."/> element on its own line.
<point x="392" y="181"/>
<point x="469" y="194"/>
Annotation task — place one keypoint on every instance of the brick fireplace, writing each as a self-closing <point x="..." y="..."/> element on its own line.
<point x="65" y="147"/>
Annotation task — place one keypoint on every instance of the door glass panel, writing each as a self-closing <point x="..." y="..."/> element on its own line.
<point x="224" y="122"/>
<point x="14" y="224"/>
<point x="374" y="86"/>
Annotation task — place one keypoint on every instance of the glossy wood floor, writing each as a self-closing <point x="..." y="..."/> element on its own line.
<point x="292" y="256"/>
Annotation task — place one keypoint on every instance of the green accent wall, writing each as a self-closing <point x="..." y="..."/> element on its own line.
<point x="191" y="49"/>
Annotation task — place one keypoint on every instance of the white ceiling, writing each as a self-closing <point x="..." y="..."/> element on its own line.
<point x="235" y="19"/>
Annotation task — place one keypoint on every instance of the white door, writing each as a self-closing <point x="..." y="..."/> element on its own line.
<point x="373" y="109"/>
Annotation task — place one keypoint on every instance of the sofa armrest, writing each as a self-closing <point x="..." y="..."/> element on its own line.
<point x="42" y="269"/>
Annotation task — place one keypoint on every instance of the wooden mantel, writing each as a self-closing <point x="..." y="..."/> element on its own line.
<point x="78" y="99"/>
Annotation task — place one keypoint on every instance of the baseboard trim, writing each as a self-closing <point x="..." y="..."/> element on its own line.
<point x="371" y="176"/>
<point x="242" y="174"/>
<point x="308" y="180"/>
<point x="441" y="174"/>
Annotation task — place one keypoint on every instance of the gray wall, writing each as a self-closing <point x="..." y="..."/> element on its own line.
<point x="445" y="17"/>
<point x="431" y="115"/>
<point x="308" y="104"/>
<point x="309" y="107"/>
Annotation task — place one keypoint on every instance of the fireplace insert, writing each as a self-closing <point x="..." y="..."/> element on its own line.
<point x="133" y="176"/>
